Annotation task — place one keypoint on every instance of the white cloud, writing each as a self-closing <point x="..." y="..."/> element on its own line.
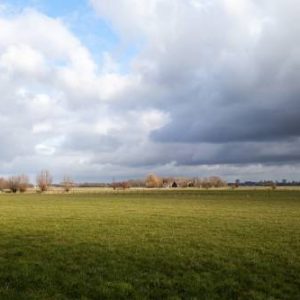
<point x="22" y="59"/>
<point x="42" y="127"/>
<point x="44" y="149"/>
<point x="153" y="120"/>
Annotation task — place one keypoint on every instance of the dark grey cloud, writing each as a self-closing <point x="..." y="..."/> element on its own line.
<point x="88" y="141"/>
<point x="278" y="122"/>
<point x="247" y="92"/>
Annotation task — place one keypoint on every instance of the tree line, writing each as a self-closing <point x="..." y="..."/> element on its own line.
<point x="44" y="180"/>
<point x="155" y="181"/>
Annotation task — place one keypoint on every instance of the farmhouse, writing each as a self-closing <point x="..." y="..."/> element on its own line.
<point x="174" y="184"/>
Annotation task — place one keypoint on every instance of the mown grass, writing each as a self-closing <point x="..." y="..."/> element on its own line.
<point x="151" y="245"/>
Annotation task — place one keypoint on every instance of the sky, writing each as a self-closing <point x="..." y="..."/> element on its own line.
<point x="104" y="89"/>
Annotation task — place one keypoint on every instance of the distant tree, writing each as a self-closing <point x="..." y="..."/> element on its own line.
<point x="196" y="182"/>
<point x="271" y="184"/>
<point x="67" y="183"/>
<point x="182" y="182"/>
<point x="167" y="182"/>
<point x="3" y="184"/>
<point x="121" y="185"/>
<point x="125" y="185"/>
<point x="191" y="184"/>
<point x="216" y="182"/>
<point x="153" y="181"/>
<point x="114" y="185"/>
<point x="23" y="183"/>
<point x="137" y="183"/>
<point x="44" y="180"/>
<point x="14" y="183"/>
<point x="206" y="184"/>
<point x="237" y="184"/>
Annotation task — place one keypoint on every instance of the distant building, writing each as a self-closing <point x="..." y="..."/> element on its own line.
<point x="174" y="184"/>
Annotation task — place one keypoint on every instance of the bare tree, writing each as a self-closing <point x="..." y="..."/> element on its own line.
<point x="125" y="185"/>
<point x="153" y="181"/>
<point x="44" y="180"/>
<point x="271" y="184"/>
<point x="205" y="183"/>
<point x="196" y="182"/>
<point x="217" y="181"/>
<point x="14" y="183"/>
<point x="67" y="183"/>
<point x="136" y="183"/>
<point x="23" y="183"/>
<point x="121" y="185"/>
<point x="3" y="184"/>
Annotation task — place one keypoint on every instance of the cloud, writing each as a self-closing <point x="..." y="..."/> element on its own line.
<point x="59" y="109"/>
<point x="213" y="87"/>
<point x="229" y="69"/>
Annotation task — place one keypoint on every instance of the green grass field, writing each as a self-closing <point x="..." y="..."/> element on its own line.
<point x="151" y="245"/>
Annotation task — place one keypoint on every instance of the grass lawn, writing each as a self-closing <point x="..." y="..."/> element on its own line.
<point x="151" y="245"/>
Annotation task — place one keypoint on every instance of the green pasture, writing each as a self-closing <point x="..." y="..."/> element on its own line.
<point x="151" y="245"/>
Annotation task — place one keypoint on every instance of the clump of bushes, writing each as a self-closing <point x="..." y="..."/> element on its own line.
<point x="153" y="181"/>
<point x="124" y="185"/>
<point x="44" y="180"/>
<point x="15" y="184"/>
<point x="67" y="184"/>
